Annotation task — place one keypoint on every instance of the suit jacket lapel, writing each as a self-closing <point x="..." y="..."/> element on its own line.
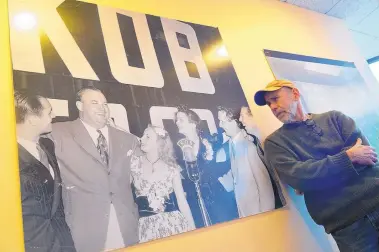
<point x="82" y="137"/>
<point x="35" y="166"/>
<point x="49" y="149"/>
<point x="115" y="149"/>
<point x="233" y="159"/>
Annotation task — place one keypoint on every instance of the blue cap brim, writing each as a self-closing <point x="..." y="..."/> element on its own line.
<point x="259" y="98"/>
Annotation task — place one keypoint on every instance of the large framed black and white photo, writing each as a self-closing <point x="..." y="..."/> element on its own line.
<point x="130" y="128"/>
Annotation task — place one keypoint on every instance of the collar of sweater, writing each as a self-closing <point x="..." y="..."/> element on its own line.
<point x="298" y="123"/>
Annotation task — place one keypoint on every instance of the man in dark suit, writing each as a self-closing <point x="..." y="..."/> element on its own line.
<point x="95" y="164"/>
<point x="45" y="228"/>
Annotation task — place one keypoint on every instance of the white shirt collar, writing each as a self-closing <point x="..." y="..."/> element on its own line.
<point x="30" y="146"/>
<point x="94" y="134"/>
<point x="23" y="140"/>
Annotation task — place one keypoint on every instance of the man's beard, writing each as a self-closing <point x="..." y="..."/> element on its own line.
<point x="291" y="113"/>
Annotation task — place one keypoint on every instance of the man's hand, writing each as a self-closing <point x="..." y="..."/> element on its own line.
<point x="362" y="154"/>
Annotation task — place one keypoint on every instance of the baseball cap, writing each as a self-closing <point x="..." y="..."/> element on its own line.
<point x="259" y="96"/>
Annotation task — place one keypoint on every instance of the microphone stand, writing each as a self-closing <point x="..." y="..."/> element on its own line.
<point x="194" y="174"/>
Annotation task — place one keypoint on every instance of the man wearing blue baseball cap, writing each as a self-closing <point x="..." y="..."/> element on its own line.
<point x="326" y="157"/>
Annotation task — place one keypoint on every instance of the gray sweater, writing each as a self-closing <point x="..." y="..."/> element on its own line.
<point x="311" y="156"/>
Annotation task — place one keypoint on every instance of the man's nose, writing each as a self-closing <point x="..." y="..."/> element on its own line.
<point x="101" y="107"/>
<point x="273" y="106"/>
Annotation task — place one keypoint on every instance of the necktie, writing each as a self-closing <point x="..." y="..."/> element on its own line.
<point x="43" y="156"/>
<point x="102" y="147"/>
<point x="233" y="149"/>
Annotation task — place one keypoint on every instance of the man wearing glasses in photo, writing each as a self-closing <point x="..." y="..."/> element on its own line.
<point x="327" y="158"/>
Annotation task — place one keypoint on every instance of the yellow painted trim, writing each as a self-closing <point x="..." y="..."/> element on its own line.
<point x="11" y="235"/>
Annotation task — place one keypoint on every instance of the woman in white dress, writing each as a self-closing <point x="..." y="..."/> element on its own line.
<point x="162" y="205"/>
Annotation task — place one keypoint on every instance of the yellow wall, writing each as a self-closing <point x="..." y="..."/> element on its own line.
<point x="247" y="27"/>
<point x="10" y="209"/>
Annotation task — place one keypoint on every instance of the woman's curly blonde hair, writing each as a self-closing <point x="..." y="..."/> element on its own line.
<point x="165" y="146"/>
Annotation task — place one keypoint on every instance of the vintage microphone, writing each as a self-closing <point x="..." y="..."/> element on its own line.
<point x="194" y="174"/>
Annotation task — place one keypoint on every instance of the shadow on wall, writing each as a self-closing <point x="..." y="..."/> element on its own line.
<point x="326" y="242"/>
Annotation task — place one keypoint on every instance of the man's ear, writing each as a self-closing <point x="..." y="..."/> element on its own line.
<point x="296" y="94"/>
<point x="32" y="120"/>
<point x="79" y="105"/>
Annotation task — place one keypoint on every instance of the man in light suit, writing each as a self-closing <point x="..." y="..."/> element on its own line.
<point x="45" y="228"/>
<point x="248" y="177"/>
<point x="95" y="168"/>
